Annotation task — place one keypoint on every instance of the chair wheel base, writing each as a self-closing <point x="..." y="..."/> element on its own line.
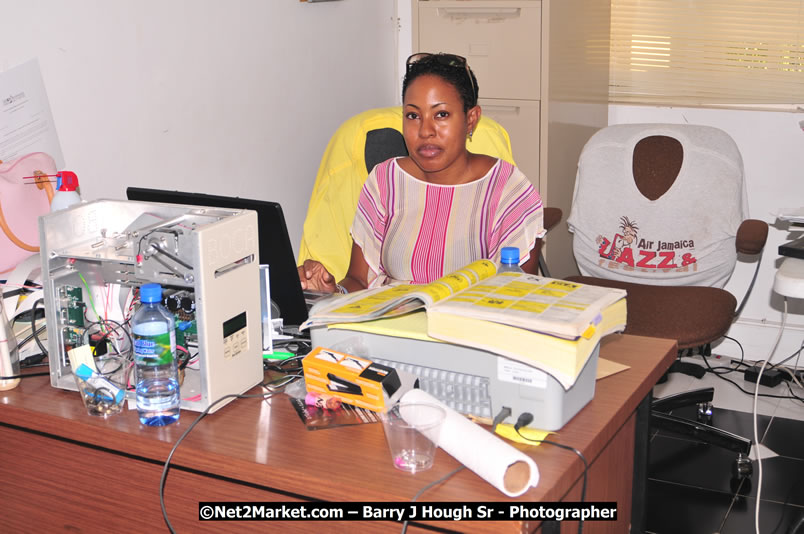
<point x="742" y="467"/>
<point x="740" y="486"/>
<point x="705" y="413"/>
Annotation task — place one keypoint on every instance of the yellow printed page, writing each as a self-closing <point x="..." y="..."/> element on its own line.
<point x="397" y="299"/>
<point x="557" y="307"/>
<point x="459" y="280"/>
<point x="365" y="305"/>
<point x="373" y="302"/>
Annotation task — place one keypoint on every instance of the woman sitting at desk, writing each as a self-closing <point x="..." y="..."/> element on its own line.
<point x="425" y="215"/>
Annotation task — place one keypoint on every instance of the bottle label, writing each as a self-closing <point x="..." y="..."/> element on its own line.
<point x="154" y="349"/>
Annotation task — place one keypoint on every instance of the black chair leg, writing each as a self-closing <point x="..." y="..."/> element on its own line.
<point x="701" y="429"/>
<point x="701" y="432"/>
<point x="687" y="398"/>
<point x="639" y="519"/>
<point x="687" y="368"/>
<point x="543" y="267"/>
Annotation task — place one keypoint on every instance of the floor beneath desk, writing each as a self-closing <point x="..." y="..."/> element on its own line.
<point x="690" y="488"/>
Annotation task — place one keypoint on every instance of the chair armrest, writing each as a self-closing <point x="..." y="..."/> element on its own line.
<point x="552" y="216"/>
<point x="751" y="236"/>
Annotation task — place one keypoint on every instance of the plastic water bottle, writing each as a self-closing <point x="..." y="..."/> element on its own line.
<point x="154" y="333"/>
<point x="65" y="194"/>
<point x="509" y="261"/>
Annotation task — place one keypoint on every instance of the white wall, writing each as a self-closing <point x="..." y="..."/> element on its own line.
<point x="235" y="97"/>
<point x="240" y="98"/>
<point x="772" y="146"/>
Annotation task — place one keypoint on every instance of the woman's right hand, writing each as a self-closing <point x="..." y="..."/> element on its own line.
<point x="313" y="275"/>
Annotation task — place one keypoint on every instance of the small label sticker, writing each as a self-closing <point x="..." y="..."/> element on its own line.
<point x="519" y="373"/>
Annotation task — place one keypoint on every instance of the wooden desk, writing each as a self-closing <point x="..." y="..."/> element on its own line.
<point x="64" y="470"/>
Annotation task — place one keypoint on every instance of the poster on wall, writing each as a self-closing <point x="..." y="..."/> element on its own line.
<point x="26" y="123"/>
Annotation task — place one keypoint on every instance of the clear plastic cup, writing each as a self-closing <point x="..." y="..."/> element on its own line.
<point x="103" y="389"/>
<point x="412" y="431"/>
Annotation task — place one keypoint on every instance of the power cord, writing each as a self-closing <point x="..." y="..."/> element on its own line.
<point x="727" y="369"/>
<point x="284" y="366"/>
<point x="797" y="526"/>
<point x="30" y="337"/>
<point x="36" y="337"/>
<point x="34" y="360"/>
<point x="26" y="375"/>
<point x="524" y="420"/>
<point x="273" y="390"/>
<point x="33" y="326"/>
<point x="714" y="371"/>
<point x="427" y="487"/>
<point x="505" y="412"/>
<point x="756" y="396"/>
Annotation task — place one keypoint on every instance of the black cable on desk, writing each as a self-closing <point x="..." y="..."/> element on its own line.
<point x="34" y="360"/>
<point x="295" y="345"/>
<point x="427" y="487"/>
<point x="283" y="366"/>
<point x="186" y="432"/>
<point x="26" y="375"/>
<point x="524" y="420"/>
<point x="33" y="326"/>
<point x="30" y="336"/>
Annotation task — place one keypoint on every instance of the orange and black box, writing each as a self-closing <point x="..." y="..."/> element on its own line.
<point x="354" y="380"/>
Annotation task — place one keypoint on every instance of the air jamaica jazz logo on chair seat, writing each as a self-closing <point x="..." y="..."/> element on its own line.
<point x="627" y="250"/>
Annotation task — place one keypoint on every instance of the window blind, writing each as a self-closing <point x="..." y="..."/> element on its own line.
<point x="707" y="52"/>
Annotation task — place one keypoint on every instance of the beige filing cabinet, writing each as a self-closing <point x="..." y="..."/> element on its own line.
<point x="542" y="69"/>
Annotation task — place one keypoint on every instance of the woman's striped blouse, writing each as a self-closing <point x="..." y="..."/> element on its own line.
<point x="414" y="231"/>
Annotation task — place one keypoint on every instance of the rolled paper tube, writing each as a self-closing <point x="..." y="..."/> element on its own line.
<point x="506" y="468"/>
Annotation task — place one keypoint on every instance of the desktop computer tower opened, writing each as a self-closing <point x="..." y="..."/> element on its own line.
<point x="95" y="255"/>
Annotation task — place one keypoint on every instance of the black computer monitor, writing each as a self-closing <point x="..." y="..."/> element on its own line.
<point x="274" y="248"/>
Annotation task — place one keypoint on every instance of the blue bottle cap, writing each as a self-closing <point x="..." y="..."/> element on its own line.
<point x="151" y="293"/>
<point x="509" y="255"/>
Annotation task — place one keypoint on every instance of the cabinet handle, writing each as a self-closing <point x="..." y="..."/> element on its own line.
<point x="479" y="12"/>
<point x="500" y="109"/>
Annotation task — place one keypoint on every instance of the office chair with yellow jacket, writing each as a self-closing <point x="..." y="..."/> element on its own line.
<point x="660" y="211"/>
<point x="359" y="144"/>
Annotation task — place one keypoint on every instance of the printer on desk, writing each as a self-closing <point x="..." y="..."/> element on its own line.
<point x="471" y="381"/>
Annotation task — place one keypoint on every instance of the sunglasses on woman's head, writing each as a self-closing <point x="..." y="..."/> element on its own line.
<point x="450" y="60"/>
